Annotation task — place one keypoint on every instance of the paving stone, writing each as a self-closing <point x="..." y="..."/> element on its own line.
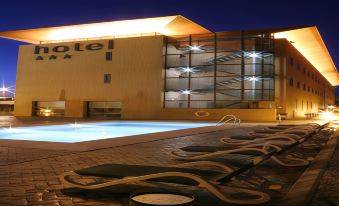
<point x="37" y="197"/>
<point x="327" y="192"/>
<point x="36" y="171"/>
<point x="21" y="201"/>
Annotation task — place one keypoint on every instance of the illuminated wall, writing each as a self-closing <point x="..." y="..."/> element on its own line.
<point x="155" y="77"/>
<point x="302" y="90"/>
<point x="77" y="76"/>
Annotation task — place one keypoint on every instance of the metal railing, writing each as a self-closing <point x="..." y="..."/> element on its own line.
<point x="229" y="118"/>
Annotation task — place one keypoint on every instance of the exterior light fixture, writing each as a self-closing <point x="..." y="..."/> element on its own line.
<point x="187" y="69"/>
<point x="253" y="78"/>
<point x="254" y="55"/>
<point x="195" y="48"/>
<point x="328" y="116"/>
<point x="331" y="107"/>
<point x="48" y="111"/>
<point x="5" y="90"/>
<point x="188" y="92"/>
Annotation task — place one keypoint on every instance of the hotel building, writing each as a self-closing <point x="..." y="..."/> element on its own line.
<point x="172" y="68"/>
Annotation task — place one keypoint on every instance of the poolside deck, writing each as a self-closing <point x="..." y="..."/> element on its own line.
<point x="28" y="176"/>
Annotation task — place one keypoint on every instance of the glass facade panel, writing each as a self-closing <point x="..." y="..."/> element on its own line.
<point x="176" y="96"/>
<point x="202" y="84"/>
<point x="177" y="84"/>
<point x="219" y="70"/>
<point x="202" y="71"/>
<point x="202" y="104"/>
<point x="206" y="58"/>
<point x="176" y="104"/>
<point x="228" y="94"/>
<point x="203" y="96"/>
<point x="228" y="70"/>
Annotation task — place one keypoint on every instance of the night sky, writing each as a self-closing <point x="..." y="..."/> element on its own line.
<point x="214" y="15"/>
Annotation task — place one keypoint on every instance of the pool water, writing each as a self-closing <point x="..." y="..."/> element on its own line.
<point x="91" y="131"/>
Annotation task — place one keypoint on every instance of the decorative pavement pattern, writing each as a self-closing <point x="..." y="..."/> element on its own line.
<point x="30" y="176"/>
<point x="29" y="181"/>
<point x="328" y="190"/>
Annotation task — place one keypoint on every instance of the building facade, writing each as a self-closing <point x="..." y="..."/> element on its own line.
<point x="184" y="72"/>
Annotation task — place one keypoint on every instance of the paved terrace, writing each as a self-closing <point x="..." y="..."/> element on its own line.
<point x="28" y="176"/>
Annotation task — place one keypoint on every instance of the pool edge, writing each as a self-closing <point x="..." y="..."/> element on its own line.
<point x="109" y="142"/>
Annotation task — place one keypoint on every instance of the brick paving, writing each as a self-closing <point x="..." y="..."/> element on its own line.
<point x="10" y="155"/>
<point x="32" y="179"/>
<point x="30" y="176"/>
<point x="328" y="190"/>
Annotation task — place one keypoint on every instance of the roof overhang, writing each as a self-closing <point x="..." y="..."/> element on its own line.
<point x="168" y="25"/>
<point x="306" y="40"/>
<point x="309" y="43"/>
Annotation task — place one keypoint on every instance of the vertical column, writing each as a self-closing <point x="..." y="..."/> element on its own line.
<point x="215" y="69"/>
<point x="242" y="64"/>
<point x="165" y="76"/>
<point x="324" y="94"/>
<point x="262" y="50"/>
<point x="272" y="50"/>
<point x="189" y="73"/>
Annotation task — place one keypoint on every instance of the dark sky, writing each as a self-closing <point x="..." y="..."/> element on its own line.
<point x="222" y="15"/>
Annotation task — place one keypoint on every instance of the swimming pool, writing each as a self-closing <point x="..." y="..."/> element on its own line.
<point x="91" y="131"/>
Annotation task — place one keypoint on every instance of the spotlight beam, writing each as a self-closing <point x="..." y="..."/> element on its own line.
<point x="5" y="90"/>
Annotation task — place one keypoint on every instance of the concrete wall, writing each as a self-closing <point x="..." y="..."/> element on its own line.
<point x="217" y="114"/>
<point x="136" y="72"/>
<point x="293" y="100"/>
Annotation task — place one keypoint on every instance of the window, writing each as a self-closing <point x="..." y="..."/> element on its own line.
<point x="307" y="105"/>
<point x="49" y="108"/>
<point x="308" y="73"/>
<point x="298" y="66"/>
<point x="304" y="86"/>
<point x="104" y="109"/>
<point x="302" y="105"/>
<point x="108" y="56"/>
<point x="291" y="82"/>
<point x="291" y="61"/>
<point x="298" y="85"/>
<point x="305" y="70"/>
<point x="107" y="78"/>
<point x="309" y="89"/>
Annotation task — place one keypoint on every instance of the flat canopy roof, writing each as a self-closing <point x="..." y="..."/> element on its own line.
<point x="306" y="40"/>
<point x="168" y="25"/>
<point x="309" y="43"/>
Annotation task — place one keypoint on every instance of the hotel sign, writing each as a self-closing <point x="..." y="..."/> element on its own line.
<point x="63" y="51"/>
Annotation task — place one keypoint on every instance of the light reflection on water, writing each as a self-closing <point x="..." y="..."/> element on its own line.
<point x="91" y="131"/>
